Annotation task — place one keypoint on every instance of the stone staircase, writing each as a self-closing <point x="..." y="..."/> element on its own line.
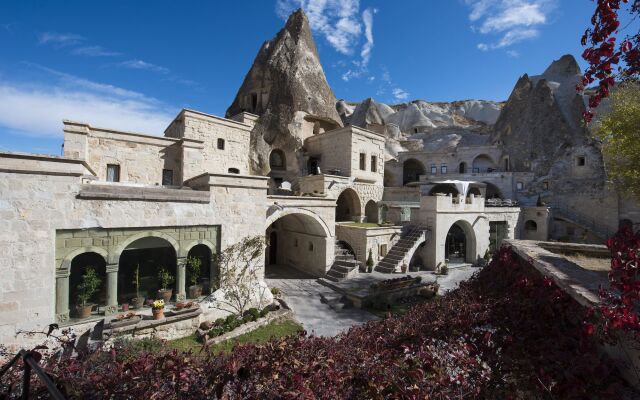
<point x="344" y="266"/>
<point x="409" y="241"/>
<point x="564" y="211"/>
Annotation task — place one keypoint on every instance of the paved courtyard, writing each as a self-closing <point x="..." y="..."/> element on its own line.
<point x="320" y="309"/>
<point x="317" y="307"/>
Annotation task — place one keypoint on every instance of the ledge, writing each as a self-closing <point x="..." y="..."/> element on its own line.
<point x="581" y="284"/>
<point x="38" y="164"/>
<point x="118" y="192"/>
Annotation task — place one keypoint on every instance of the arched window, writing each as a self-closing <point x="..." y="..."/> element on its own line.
<point x="411" y="171"/>
<point x="530" y="226"/>
<point x="277" y="160"/>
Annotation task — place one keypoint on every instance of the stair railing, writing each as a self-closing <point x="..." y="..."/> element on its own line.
<point x="31" y="365"/>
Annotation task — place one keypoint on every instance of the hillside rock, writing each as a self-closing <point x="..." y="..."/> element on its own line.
<point x="286" y="86"/>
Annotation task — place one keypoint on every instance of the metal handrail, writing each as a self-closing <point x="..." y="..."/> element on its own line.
<point x="31" y="365"/>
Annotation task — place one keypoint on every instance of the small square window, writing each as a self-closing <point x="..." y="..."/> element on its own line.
<point x="220" y="144"/>
<point x="519" y="185"/>
<point x="374" y="163"/>
<point x="167" y="177"/>
<point x="581" y="161"/>
<point x="363" y="161"/>
<point x="113" y="173"/>
<point x="545" y="185"/>
<point x="443" y="169"/>
<point x="310" y="246"/>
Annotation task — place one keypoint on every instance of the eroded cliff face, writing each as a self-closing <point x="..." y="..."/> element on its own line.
<point x="287" y="88"/>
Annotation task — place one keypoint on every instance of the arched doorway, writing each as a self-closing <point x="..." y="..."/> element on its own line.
<point x="462" y="168"/>
<point x="411" y="171"/>
<point x="460" y="245"/>
<point x="297" y="241"/>
<point x="371" y="212"/>
<point x="79" y="267"/>
<point x="348" y="206"/>
<point x="206" y="278"/>
<point x="493" y="192"/>
<point x="483" y="163"/>
<point x="149" y="255"/>
<point x="444" y="188"/>
<point x="273" y="248"/>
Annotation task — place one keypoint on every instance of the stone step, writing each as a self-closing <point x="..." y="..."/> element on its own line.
<point x="336" y="274"/>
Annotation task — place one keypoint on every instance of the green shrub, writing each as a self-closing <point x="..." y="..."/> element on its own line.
<point x="230" y="319"/>
<point x="247" y="318"/>
<point x="253" y="313"/>
<point x="219" y="322"/>
<point x="264" y="312"/>
<point x="216" y="331"/>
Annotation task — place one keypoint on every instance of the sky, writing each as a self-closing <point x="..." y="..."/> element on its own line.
<point x="133" y="65"/>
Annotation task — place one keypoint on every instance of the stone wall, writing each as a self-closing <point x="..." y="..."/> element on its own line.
<point x="34" y="205"/>
<point x="362" y="240"/>
<point x="225" y="142"/>
<point x="141" y="157"/>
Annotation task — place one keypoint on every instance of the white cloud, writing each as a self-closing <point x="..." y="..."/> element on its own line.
<point x="59" y="39"/>
<point x="513" y="53"/>
<point x="400" y="94"/>
<point x="143" y="65"/>
<point x="508" y="21"/>
<point x="367" y="17"/>
<point x="38" y="109"/>
<point x="94" y="51"/>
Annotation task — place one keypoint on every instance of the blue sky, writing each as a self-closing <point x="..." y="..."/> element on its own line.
<point x="134" y="65"/>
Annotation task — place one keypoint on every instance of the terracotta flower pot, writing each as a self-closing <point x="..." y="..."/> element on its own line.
<point x="158" y="313"/>
<point x="195" y="291"/>
<point x="137" y="302"/>
<point x="165" y="294"/>
<point x="84" y="311"/>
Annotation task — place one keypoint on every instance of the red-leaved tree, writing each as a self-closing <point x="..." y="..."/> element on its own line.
<point x="610" y="59"/>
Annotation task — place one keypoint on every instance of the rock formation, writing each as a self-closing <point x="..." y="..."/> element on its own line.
<point x="287" y="88"/>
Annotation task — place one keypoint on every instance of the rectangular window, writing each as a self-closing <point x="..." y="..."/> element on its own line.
<point x="383" y="250"/>
<point x="581" y="161"/>
<point x="476" y="170"/>
<point x="220" y="144"/>
<point x="310" y="246"/>
<point x="113" y="173"/>
<point x="434" y="169"/>
<point x="363" y="161"/>
<point x="443" y="169"/>
<point x="519" y="185"/>
<point x="545" y="185"/>
<point x="374" y="163"/>
<point x="167" y="177"/>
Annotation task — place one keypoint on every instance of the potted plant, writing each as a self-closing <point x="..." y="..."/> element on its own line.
<point x="86" y="289"/>
<point x="194" y="266"/>
<point x="166" y="279"/>
<point x="137" y="302"/>
<point x="158" y="309"/>
<point x="370" y="262"/>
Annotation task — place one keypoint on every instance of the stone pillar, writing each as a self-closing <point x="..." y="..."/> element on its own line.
<point x="62" y="295"/>
<point x="112" y="289"/>
<point x="214" y="274"/>
<point x="181" y="292"/>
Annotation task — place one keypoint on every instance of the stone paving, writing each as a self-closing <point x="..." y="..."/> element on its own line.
<point x="317" y="307"/>
<point x="320" y="309"/>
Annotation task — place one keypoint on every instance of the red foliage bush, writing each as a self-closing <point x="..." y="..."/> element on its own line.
<point x="508" y="333"/>
<point x="620" y="302"/>
<point x="603" y="53"/>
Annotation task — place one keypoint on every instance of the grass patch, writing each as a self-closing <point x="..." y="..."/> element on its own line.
<point x="263" y="334"/>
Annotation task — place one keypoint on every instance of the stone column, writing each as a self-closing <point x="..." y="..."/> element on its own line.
<point x="214" y="274"/>
<point x="112" y="289"/>
<point x="181" y="292"/>
<point x="62" y="295"/>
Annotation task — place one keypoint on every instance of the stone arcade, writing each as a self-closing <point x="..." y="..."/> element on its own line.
<point x="326" y="186"/>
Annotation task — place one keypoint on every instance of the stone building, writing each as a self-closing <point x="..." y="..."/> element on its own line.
<point x="324" y="192"/>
